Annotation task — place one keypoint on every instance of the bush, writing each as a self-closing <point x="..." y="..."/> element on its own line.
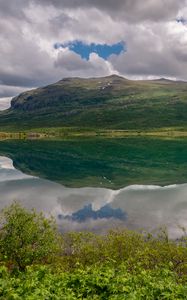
<point x="27" y="237"/>
<point x="122" y="264"/>
<point x="99" y="282"/>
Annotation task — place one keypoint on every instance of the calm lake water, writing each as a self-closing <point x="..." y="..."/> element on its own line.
<point x="98" y="184"/>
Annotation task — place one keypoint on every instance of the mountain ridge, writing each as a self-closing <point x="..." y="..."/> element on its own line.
<point x="111" y="102"/>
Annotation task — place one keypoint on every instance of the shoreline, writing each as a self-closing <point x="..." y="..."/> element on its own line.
<point x="43" y="133"/>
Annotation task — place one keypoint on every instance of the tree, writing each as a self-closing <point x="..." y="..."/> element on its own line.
<point x="27" y="237"/>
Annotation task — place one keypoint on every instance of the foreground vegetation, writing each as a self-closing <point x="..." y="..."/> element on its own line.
<point x="37" y="262"/>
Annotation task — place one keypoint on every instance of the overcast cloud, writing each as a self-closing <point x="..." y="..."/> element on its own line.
<point x="154" y="32"/>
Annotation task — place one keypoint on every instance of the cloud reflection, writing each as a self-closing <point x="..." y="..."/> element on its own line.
<point x="97" y="209"/>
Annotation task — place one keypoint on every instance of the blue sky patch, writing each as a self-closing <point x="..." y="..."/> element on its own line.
<point x="181" y="20"/>
<point x="84" y="50"/>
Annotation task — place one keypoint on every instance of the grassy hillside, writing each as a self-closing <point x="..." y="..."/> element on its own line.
<point x="111" y="102"/>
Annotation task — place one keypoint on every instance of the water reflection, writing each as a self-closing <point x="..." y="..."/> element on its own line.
<point x="97" y="209"/>
<point x="87" y="212"/>
<point x="98" y="162"/>
<point x="8" y="172"/>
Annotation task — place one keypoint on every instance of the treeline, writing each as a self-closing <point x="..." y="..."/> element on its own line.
<point x="37" y="262"/>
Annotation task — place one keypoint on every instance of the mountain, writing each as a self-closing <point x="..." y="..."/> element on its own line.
<point x="111" y="102"/>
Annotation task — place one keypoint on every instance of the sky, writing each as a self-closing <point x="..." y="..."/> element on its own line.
<point x="43" y="41"/>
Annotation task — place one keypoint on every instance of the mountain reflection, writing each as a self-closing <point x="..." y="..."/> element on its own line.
<point x="96" y="184"/>
<point x="99" y="162"/>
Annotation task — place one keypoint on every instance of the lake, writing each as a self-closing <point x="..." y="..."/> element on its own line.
<point x="99" y="183"/>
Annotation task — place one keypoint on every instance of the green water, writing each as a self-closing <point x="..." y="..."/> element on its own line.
<point x="101" y="162"/>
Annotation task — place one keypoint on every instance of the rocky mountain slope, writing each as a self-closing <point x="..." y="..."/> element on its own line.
<point x="111" y="102"/>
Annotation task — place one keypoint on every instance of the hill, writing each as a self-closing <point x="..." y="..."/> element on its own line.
<point x="111" y="102"/>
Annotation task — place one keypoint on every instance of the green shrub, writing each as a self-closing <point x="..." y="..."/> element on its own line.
<point x="96" y="282"/>
<point x="120" y="265"/>
<point x="27" y="237"/>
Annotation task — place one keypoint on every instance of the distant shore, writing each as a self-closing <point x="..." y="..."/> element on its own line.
<point x="64" y="132"/>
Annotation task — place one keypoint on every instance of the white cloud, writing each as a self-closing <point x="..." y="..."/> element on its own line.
<point x="156" y="50"/>
<point x="156" y="43"/>
<point x="133" y="11"/>
<point x="5" y="103"/>
<point x="73" y="65"/>
<point x="8" y="91"/>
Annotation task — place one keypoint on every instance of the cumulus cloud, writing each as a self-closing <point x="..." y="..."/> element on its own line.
<point x="5" y="103"/>
<point x="8" y="91"/>
<point x="73" y="65"/>
<point x="157" y="51"/>
<point x="155" y="41"/>
<point x="135" y="10"/>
